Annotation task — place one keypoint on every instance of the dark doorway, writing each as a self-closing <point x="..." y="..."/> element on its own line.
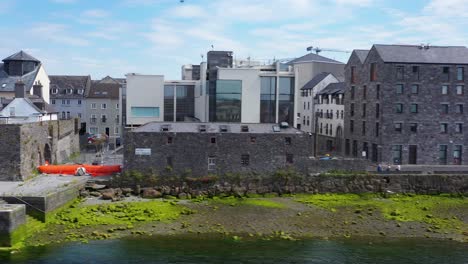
<point x="47" y="154"/>
<point x="413" y="154"/>
<point x="299" y="126"/>
<point x="107" y="131"/>
<point x="375" y="155"/>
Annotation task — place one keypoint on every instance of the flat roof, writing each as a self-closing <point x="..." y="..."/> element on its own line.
<point x="194" y="127"/>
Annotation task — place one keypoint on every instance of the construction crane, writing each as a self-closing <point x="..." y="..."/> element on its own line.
<point x="318" y="50"/>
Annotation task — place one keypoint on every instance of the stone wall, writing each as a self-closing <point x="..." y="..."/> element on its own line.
<point x="12" y="216"/>
<point x="23" y="147"/>
<point x="190" y="152"/>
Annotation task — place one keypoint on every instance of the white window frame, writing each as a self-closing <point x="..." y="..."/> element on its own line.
<point x="69" y="91"/>
<point x="93" y="105"/>
<point x="80" y="91"/>
<point x="91" y="130"/>
<point x="104" y="115"/>
<point x="78" y="102"/>
<point x="103" y="106"/>
<point x="52" y="101"/>
<point x="211" y="163"/>
<point x="117" y="106"/>
<point x="63" y="101"/>
<point x="54" y="91"/>
<point x="68" y="102"/>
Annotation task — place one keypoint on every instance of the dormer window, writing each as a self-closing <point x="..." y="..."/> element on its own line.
<point x="80" y="91"/>
<point x="54" y="90"/>
<point x="69" y="91"/>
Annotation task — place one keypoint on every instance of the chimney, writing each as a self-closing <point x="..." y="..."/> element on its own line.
<point x="19" y="89"/>
<point x="37" y="89"/>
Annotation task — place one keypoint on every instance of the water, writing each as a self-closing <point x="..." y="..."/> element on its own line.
<point x="186" y="250"/>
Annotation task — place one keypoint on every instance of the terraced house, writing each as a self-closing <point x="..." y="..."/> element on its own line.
<point x="405" y="104"/>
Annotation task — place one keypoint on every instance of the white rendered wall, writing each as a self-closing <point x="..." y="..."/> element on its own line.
<point x="144" y="91"/>
<point x="43" y="78"/>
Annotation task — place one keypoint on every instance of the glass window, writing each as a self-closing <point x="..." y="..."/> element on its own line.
<point x="211" y="163"/>
<point x="351" y="113"/>
<point x="93" y="106"/>
<point x="400" y="72"/>
<point x="353" y="75"/>
<point x="245" y="159"/>
<point x="353" y="88"/>
<point x="443" y="127"/>
<point x="398" y="127"/>
<point x="414" y="108"/>
<point x="396" y="153"/>
<point x="363" y="128"/>
<point x="377" y="110"/>
<point x="93" y="130"/>
<point x="79" y="102"/>
<point x="457" y="154"/>
<point x="445" y="74"/>
<point x="185" y="101"/>
<point x="228" y="100"/>
<point x="443" y="154"/>
<point x="53" y="101"/>
<point x="377" y="129"/>
<point x="103" y="106"/>
<point x="377" y="91"/>
<point x="459" y="89"/>
<point x="399" y="88"/>
<point x="286" y="100"/>
<point x="445" y="108"/>
<point x="459" y="128"/>
<point x="414" y="127"/>
<point x="364" y="110"/>
<point x="414" y="89"/>
<point x="416" y="72"/>
<point x="351" y="126"/>
<point x="399" y="108"/>
<point x="364" y="92"/>
<point x="444" y="89"/>
<point x="145" y="111"/>
<point x="373" y="72"/>
<point x="460" y="73"/>
<point x="459" y="108"/>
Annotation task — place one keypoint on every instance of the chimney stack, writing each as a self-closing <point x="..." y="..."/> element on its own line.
<point x="37" y="89"/>
<point x="19" y="89"/>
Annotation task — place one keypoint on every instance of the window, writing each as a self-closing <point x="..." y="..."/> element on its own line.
<point x="414" y="89"/>
<point x="69" y="91"/>
<point x="213" y="140"/>
<point x="93" y="106"/>
<point x="363" y="128"/>
<point x="445" y="108"/>
<point x="117" y="119"/>
<point x="353" y="90"/>
<point x="460" y="74"/>
<point x="54" y="91"/>
<point x="117" y="106"/>
<point x="443" y="154"/>
<point x="145" y="111"/>
<point x="227" y="101"/>
<point x="68" y="102"/>
<point x="308" y="120"/>
<point x="103" y="106"/>
<point x="399" y="108"/>
<point x="321" y="128"/>
<point x="353" y="75"/>
<point x="53" y="101"/>
<point x="211" y="163"/>
<point x="414" y="127"/>
<point x="377" y="91"/>
<point x="287" y="140"/>
<point x="416" y="72"/>
<point x="364" y="108"/>
<point x="399" y="88"/>
<point x="459" y="108"/>
<point x="245" y="159"/>
<point x="169" y="140"/>
<point x="396" y="153"/>
<point x="355" y="150"/>
<point x="12" y="110"/>
<point x="459" y="128"/>
<point x="347" y="147"/>
<point x="116" y="130"/>
<point x="445" y="74"/>
<point x="169" y="162"/>
<point x="459" y="89"/>
<point x="400" y="72"/>
<point x="93" y="130"/>
<point x="351" y="126"/>
<point x="79" y="102"/>
<point x="413" y="108"/>
<point x="373" y="72"/>
<point x="64" y="101"/>
<point x="289" y="158"/>
<point x="443" y="128"/>
<point x="304" y="120"/>
<point x="364" y="92"/>
<point x="253" y="139"/>
<point x="377" y="129"/>
<point x="93" y="119"/>
<point x="377" y="110"/>
<point x="304" y="105"/>
<point x="308" y="105"/>
<point x="79" y="115"/>
<point x="444" y="89"/>
<point x="351" y="112"/>
<point x="68" y="115"/>
<point x="457" y="154"/>
<point x="398" y="127"/>
<point x="342" y="114"/>
<point x="103" y="118"/>
<point x="63" y="115"/>
<point x="80" y="91"/>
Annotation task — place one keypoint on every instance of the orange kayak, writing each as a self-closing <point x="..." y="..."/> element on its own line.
<point x="72" y="169"/>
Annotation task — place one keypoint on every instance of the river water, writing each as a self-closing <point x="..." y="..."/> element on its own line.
<point x="190" y="250"/>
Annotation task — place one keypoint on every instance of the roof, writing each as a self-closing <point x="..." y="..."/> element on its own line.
<point x="189" y="127"/>
<point x="63" y="82"/>
<point x="418" y="54"/>
<point x="313" y="57"/>
<point x="334" y="88"/>
<point x="361" y="54"/>
<point x="7" y="82"/>
<point x="314" y="81"/>
<point x="104" y="90"/>
<point x="21" y="56"/>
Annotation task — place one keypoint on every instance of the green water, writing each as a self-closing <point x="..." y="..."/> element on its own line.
<point x="185" y="250"/>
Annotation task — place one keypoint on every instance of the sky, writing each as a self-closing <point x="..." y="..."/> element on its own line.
<point x="104" y="37"/>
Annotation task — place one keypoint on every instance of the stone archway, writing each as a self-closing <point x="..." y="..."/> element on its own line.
<point x="47" y="153"/>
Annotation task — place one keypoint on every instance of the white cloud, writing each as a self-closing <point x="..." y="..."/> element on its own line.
<point x="188" y="11"/>
<point x="57" y="33"/>
<point x="96" y="13"/>
<point x="355" y="2"/>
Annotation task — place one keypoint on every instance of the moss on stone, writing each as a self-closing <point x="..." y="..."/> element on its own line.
<point x="233" y="201"/>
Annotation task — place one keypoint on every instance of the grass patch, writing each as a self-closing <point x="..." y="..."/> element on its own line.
<point x="404" y="208"/>
<point x="118" y="214"/>
<point x="233" y="201"/>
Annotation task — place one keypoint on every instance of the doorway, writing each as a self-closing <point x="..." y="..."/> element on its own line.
<point x="107" y="131"/>
<point x="413" y="154"/>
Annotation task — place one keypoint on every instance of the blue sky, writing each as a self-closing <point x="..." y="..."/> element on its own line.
<point x="104" y="37"/>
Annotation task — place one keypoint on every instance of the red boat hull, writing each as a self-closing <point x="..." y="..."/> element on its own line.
<point x="93" y="170"/>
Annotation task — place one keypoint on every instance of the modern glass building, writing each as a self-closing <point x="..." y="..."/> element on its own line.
<point x="228" y="101"/>
<point x="179" y="102"/>
<point x="268" y="99"/>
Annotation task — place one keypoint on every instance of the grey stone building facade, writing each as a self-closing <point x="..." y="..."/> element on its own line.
<point x="103" y="111"/>
<point x="215" y="148"/>
<point x="405" y="104"/>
